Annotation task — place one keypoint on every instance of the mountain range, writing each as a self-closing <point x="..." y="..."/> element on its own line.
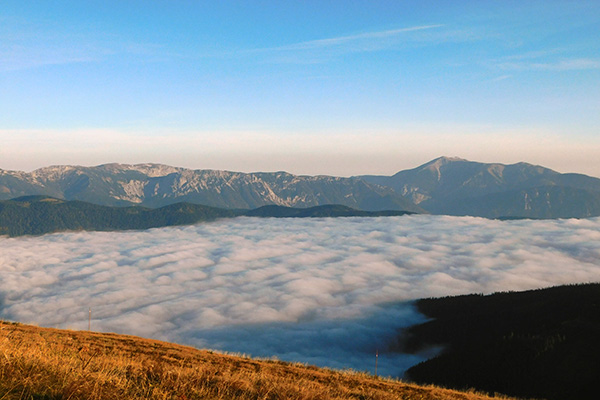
<point x="450" y="186"/>
<point x="154" y="185"/>
<point x="454" y="186"/>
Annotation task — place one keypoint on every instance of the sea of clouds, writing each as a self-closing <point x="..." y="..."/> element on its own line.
<point x="329" y="291"/>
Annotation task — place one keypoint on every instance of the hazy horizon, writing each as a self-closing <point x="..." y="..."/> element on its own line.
<point x="280" y="170"/>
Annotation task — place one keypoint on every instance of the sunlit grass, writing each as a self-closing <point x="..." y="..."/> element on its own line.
<point x="43" y="363"/>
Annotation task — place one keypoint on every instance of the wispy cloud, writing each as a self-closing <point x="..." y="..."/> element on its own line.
<point x="536" y="54"/>
<point x="65" y="51"/>
<point x="554" y="59"/>
<point x="26" y="45"/>
<point x="315" y="51"/>
<point x="19" y="57"/>
<point x="575" y="64"/>
<point x="367" y="38"/>
<point x="324" y="291"/>
<point x="501" y="78"/>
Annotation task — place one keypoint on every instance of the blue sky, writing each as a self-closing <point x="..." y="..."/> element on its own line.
<point x="313" y="87"/>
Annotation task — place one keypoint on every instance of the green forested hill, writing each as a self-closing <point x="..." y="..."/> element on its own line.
<point x="534" y="344"/>
<point x="36" y="215"/>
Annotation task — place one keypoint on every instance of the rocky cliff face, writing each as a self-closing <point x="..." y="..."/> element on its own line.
<point x="157" y="185"/>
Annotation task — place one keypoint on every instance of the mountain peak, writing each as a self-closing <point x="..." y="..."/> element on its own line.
<point x="444" y="160"/>
<point x="435" y="165"/>
<point x="149" y="169"/>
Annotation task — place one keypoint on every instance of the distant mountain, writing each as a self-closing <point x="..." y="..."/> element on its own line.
<point x="454" y="186"/>
<point x="450" y="186"/>
<point x="36" y="215"/>
<point x="154" y="185"/>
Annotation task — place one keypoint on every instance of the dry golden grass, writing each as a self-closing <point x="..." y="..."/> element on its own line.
<point x="43" y="363"/>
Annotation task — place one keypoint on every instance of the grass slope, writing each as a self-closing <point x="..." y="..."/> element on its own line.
<point x="539" y="343"/>
<point x="43" y="363"/>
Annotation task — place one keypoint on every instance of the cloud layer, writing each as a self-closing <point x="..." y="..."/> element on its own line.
<point x="323" y="291"/>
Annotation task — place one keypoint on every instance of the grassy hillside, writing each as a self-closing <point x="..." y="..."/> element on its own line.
<point x="539" y="343"/>
<point x="42" y="363"/>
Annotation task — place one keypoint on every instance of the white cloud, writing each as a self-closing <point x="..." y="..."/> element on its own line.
<point x="325" y="291"/>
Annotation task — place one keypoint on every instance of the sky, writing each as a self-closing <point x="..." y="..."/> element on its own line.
<point x="309" y="87"/>
<point x="326" y="291"/>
